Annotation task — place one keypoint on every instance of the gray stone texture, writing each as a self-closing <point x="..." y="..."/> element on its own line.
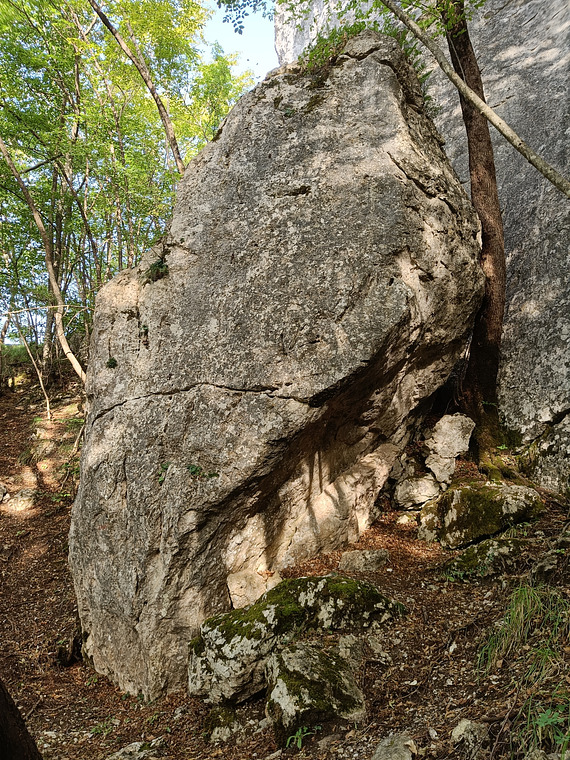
<point x="228" y="659"/>
<point x="467" y="513"/>
<point x="363" y="560"/>
<point x="448" y="440"/>
<point x="396" y="747"/>
<point x="308" y="685"/>
<point x="523" y="47"/>
<point x="321" y="283"/>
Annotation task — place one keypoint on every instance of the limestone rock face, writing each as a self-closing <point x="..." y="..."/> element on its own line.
<point x="526" y="76"/>
<point x="251" y="382"/>
<point x="523" y="50"/>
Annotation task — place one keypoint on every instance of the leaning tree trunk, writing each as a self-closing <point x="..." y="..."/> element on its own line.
<point x="16" y="743"/>
<point x="479" y="390"/>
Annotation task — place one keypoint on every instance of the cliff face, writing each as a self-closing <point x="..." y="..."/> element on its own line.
<point x="253" y="380"/>
<point x="524" y="51"/>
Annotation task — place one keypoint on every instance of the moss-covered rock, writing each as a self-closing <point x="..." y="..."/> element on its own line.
<point x="307" y="686"/>
<point x="490" y="557"/>
<point x="465" y="514"/>
<point x="228" y="661"/>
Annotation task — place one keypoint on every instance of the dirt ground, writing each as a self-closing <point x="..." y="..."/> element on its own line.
<point x="426" y="686"/>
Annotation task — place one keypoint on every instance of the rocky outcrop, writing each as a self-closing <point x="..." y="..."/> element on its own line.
<point x="251" y="383"/>
<point x="228" y="660"/>
<point x="523" y="49"/>
<point x="470" y="512"/>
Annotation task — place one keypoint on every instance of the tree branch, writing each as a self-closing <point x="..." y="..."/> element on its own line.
<point x="140" y="65"/>
<point x="548" y="171"/>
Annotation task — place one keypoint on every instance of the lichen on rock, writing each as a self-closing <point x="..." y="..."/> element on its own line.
<point x="309" y="685"/>
<point x="464" y="514"/>
<point x="228" y="660"/>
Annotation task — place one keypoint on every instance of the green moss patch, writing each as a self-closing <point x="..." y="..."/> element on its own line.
<point x="490" y="557"/>
<point x="463" y="515"/>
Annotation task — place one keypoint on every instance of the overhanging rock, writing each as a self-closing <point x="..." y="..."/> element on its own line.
<point x="318" y="282"/>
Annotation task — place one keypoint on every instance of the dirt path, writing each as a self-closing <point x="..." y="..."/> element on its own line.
<point x="427" y="684"/>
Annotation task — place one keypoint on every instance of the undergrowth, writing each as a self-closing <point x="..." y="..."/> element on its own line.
<point x="328" y="45"/>
<point x="534" y="636"/>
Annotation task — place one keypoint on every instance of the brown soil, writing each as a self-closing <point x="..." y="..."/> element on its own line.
<point x="75" y="714"/>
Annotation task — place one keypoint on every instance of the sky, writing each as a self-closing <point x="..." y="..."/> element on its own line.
<point x="255" y="45"/>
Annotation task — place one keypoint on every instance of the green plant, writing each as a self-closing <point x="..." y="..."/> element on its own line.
<point x="102" y="729"/>
<point x="162" y="474"/>
<point x="198" y="472"/>
<point x="534" y="634"/>
<point x="532" y="612"/>
<point x="111" y="362"/>
<point x="301" y="734"/>
<point x="156" y="271"/>
<point x="543" y="723"/>
<point x="327" y="47"/>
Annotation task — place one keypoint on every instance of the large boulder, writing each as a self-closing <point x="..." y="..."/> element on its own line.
<point x="228" y="659"/>
<point x="251" y="382"/>
<point x="473" y="511"/>
<point x="522" y="47"/>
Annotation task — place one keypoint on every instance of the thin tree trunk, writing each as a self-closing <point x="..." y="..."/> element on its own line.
<point x="140" y="65"/>
<point x="49" y="264"/>
<point x="16" y="743"/>
<point x="479" y="397"/>
<point x="548" y="171"/>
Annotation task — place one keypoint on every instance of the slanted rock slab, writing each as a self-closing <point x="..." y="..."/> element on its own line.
<point x="318" y="283"/>
<point x="467" y="513"/>
<point x="308" y="686"/>
<point x="228" y="659"/>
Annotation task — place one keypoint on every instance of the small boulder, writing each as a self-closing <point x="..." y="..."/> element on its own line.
<point x="138" y="751"/>
<point x="366" y="561"/>
<point x="462" y="515"/>
<point x="470" y="739"/>
<point x="395" y="747"/>
<point x="227" y="660"/>
<point x="449" y="439"/>
<point x="23" y="500"/>
<point x="308" y="685"/>
<point x="553" y="567"/>
<point x="413" y="492"/>
<point x="490" y="557"/>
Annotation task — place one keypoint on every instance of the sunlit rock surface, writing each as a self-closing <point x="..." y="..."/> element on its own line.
<point x="251" y="382"/>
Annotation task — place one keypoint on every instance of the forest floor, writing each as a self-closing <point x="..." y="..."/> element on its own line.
<point x="427" y="685"/>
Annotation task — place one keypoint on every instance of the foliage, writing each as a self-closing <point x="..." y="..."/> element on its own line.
<point x="88" y="142"/>
<point x="156" y="271"/>
<point x="534" y="634"/>
<point x="301" y="734"/>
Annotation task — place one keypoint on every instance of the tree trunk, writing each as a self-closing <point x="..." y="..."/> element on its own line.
<point x="49" y="259"/>
<point x="137" y="59"/>
<point x="500" y="125"/>
<point x="15" y="740"/>
<point x="479" y="391"/>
